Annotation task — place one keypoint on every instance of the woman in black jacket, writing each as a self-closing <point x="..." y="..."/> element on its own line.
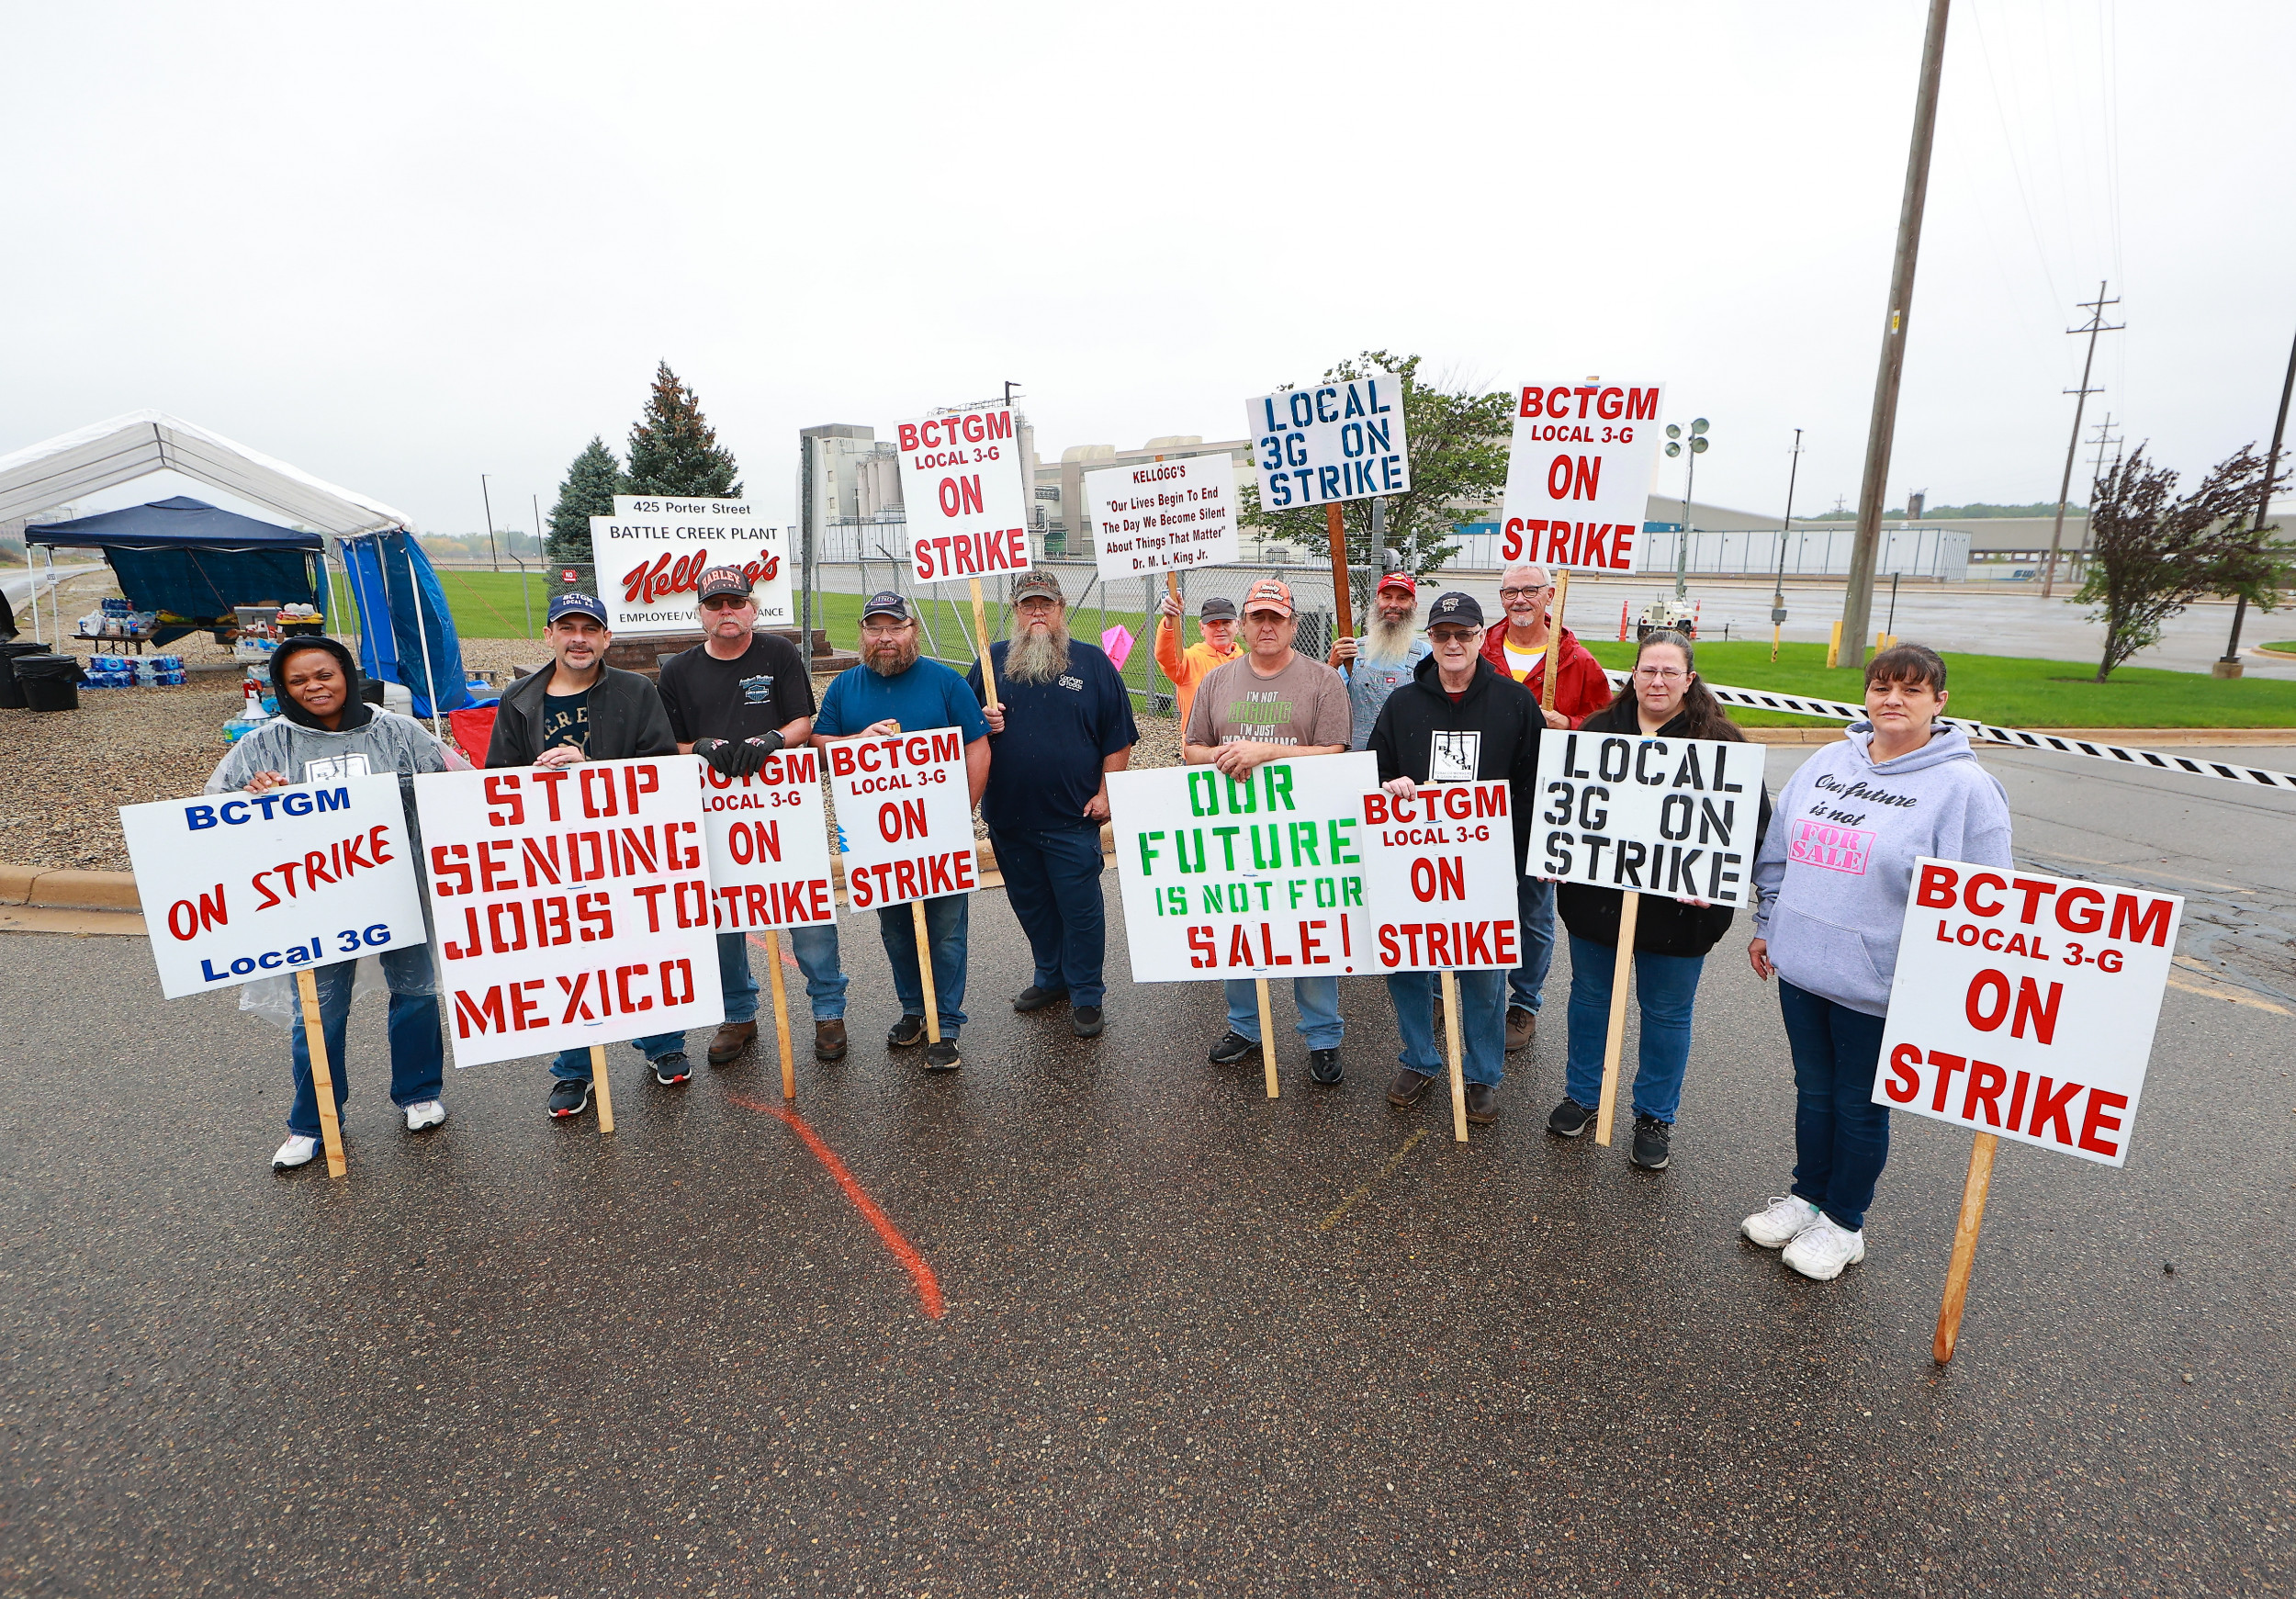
<point x="1672" y="936"/>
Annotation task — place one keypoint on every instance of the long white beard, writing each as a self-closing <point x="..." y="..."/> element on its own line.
<point x="1385" y="643"/>
<point x="1038" y="658"/>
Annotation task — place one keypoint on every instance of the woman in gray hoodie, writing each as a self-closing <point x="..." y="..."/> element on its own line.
<point x="1832" y="879"/>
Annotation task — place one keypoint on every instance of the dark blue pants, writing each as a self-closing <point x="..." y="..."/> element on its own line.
<point x="1053" y="883"/>
<point x="946" y="920"/>
<point x="1666" y="986"/>
<point x="1840" y="1136"/>
<point x="418" y="1055"/>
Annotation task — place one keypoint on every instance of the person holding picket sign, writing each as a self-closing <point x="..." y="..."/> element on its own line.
<point x="1189" y="668"/>
<point x="325" y="731"/>
<point x="1672" y="936"/>
<point x="1832" y="879"/>
<point x="1458" y="721"/>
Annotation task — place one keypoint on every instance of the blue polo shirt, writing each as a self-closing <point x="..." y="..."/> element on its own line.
<point x="1046" y="765"/>
<point x="926" y="695"/>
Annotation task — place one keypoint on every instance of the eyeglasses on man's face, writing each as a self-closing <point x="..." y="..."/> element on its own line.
<point x="1507" y="594"/>
<point x="725" y="603"/>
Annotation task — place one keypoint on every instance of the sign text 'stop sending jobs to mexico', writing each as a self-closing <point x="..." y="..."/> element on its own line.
<point x="1579" y="473"/>
<point x="963" y="482"/>
<point x="1326" y="442"/>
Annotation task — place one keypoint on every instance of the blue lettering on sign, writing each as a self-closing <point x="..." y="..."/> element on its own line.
<point x="296" y="804"/>
<point x="198" y="816"/>
<point x="334" y="799"/>
<point x="235" y="812"/>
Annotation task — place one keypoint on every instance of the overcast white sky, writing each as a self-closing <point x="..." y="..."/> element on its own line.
<point x="402" y="245"/>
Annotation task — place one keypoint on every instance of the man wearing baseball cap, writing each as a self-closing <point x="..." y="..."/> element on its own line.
<point x="1384" y="658"/>
<point x="1272" y="705"/>
<point x="1459" y="720"/>
<point x="1065" y="724"/>
<point x="1189" y="668"/>
<point x="579" y="708"/>
<point x="733" y="699"/>
<point x="896" y="690"/>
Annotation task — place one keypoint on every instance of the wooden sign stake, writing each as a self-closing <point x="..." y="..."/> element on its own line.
<point x="1267" y="1036"/>
<point x="1973" y="1190"/>
<point x="1554" y="642"/>
<point x="322" y="1079"/>
<point x="1620" y="975"/>
<point x="988" y="682"/>
<point x="917" y="909"/>
<point x="601" y="1087"/>
<point x="780" y="1014"/>
<point x="1336" y="520"/>
<point x="1451" y="1044"/>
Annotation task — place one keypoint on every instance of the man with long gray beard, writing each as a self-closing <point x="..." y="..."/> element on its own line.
<point x="1385" y="658"/>
<point x="1064" y="723"/>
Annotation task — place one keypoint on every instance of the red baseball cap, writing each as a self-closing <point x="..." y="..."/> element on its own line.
<point x="1268" y="592"/>
<point x="1404" y="581"/>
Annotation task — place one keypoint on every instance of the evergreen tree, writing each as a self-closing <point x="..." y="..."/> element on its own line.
<point x="673" y="449"/>
<point x="588" y="491"/>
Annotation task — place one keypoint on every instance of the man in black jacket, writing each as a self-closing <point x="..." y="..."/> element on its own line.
<point x="579" y="708"/>
<point x="1459" y="720"/>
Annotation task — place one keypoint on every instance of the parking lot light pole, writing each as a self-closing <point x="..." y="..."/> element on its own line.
<point x="1696" y="445"/>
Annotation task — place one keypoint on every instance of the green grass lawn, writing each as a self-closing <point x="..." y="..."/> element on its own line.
<point x="2006" y="690"/>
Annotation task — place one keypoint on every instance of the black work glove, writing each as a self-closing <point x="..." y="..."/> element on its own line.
<point x="748" y="758"/>
<point x="722" y="755"/>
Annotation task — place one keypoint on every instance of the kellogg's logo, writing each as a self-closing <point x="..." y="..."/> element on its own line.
<point x="649" y="582"/>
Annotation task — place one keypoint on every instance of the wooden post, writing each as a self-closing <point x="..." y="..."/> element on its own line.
<point x="1267" y="1036"/>
<point x="924" y="947"/>
<point x="1621" y="974"/>
<point x="988" y="682"/>
<point x="602" y="1088"/>
<point x="1336" y="520"/>
<point x="780" y="1014"/>
<point x="1833" y="650"/>
<point x="1451" y="1045"/>
<point x="1973" y="1190"/>
<point x="1554" y="641"/>
<point x="323" y="1078"/>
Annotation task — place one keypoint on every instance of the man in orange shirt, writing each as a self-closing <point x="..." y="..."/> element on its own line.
<point x="1187" y="668"/>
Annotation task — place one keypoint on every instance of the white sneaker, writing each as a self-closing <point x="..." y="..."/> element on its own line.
<point x="296" y="1151"/>
<point x="1820" y="1250"/>
<point x="1787" y="1218"/>
<point x="424" y="1113"/>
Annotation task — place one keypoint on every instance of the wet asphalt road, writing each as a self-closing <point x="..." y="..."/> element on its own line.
<point x="514" y="1357"/>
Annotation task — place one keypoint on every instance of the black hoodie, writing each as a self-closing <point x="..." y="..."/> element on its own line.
<point x="1495" y="718"/>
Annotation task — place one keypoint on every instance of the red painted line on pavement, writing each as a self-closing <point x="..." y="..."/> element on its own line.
<point x="927" y="1285"/>
<point x="787" y="959"/>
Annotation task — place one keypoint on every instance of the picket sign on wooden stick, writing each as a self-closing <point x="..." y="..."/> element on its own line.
<point x="323" y="1077"/>
<point x="1451" y="1045"/>
<point x="1267" y="1036"/>
<point x="780" y="1014"/>
<point x="1554" y="641"/>
<point x="598" y="1075"/>
<point x="1630" y="907"/>
<point x="988" y="683"/>
<point x="925" y="958"/>
<point x="1336" y="520"/>
<point x="1973" y="1190"/>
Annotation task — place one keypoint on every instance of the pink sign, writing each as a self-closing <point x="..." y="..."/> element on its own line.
<point x="1118" y="642"/>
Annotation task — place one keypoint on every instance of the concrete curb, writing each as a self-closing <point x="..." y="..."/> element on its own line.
<point x="62" y="889"/>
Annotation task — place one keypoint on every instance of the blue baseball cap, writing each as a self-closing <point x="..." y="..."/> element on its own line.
<point x="580" y="606"/>
<point x="885" y="603"/>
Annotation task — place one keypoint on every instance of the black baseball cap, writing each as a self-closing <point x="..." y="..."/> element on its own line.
<point x="885" y="603"/>
<point x="1456" y="609"/>
<point x="1218" y="608"/>
<point x="719" y="580"/>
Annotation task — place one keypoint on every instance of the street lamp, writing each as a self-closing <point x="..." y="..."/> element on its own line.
<point x="1698" y="443"/>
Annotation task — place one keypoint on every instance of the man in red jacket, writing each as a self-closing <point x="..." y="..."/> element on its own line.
<point x="1581" y="688"/>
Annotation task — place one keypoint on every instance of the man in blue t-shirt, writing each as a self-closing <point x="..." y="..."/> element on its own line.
<point x="1065" y="724"/>
<point x="895" y="691"/>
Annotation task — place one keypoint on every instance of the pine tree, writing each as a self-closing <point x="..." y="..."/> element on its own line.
<point x="673" y="449"/>
<point x="589" y="490"/>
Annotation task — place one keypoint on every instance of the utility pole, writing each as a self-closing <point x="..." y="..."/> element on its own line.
<point x="1777" y="600"/>
<point x="2096" y="325"/>
<point x="2231" y="663"/>
<point x="492" y="559"/>
<point x="2096" y="471"/>
<point x="1857" y="601"/>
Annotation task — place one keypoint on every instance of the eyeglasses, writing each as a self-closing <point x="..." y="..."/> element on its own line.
<point x="725" y="603"/>
<point x="1507" y="594"/>
<point x="884" y="629"/>
<point x="1445" y="638"/>
<point x="1659" y="674"/>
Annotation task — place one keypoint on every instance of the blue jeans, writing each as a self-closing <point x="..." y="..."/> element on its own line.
<point x="1527" y="984"/>
<point x="1317" y="998"/>
<point x="1053" y="883"/>
<point x="816" y="949"/>
<point x="1840" y="1136"/>
<point x="946" y="920"/>
<point x="1665" y="988"/>
<point x="1482" y="1023"/>
<point x="418" y="1056"/>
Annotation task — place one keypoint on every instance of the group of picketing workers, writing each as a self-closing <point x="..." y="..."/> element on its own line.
<point x="1448" y="688"/>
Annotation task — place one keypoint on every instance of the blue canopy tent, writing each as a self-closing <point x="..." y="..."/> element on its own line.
<point x="410" y="633"/>
<point x="191" y="563"/>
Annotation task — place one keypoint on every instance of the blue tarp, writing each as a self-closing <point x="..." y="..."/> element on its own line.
<point x="192" y="562"/>
<point x="388" y="573"/>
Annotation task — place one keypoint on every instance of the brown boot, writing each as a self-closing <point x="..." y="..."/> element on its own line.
<point x="829" y="1041"/>
<point x="733" y="1037"/>
<point x="1521" y="1024"/>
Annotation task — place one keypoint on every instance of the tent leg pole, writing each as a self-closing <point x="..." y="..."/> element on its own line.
<point x="423" y="635"/>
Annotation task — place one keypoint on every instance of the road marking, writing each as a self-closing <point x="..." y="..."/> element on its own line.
<point x="927" y="1285"/>
<point x="1387" y="1171"/>
<point x="787" y="959"/>
<point x="2237" y="995"/>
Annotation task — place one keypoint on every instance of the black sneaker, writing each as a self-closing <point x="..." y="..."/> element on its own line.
<point x="1324" y="1067"/>
<point x="1035" y="998"/>
<point x="1651" y="1138"/>
<point x="1085" y="1021"/>
<point x="942" y="1056"/>
<point x="672" y="1070"/>
<point x="569" y="1096"/>
<point x="1569" y="1119"/>
<point x="908" y="1032"/>
<point x="1233" y="1048"/>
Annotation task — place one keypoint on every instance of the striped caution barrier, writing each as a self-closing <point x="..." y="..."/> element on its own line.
<point x="2017" y="737"/>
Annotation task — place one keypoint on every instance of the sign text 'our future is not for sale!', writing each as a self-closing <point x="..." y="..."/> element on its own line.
<point x="1322" y="442"/>
<point x="1579" y="473"/>
<point x="961" y="479"/>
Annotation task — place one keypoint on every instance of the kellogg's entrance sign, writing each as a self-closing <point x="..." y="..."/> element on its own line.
<point x="961" y="478"/>
<point x="652" y="551"/>
<point x="1579" y="473"/>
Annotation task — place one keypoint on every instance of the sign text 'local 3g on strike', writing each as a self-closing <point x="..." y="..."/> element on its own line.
<point x="1674" y="817"/>
<point x="1327" y="442"/>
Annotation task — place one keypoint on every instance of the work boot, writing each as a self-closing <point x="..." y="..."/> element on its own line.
<point x="1408" y="1088"/>
<point x="732" y="1038"/>
<point x="829" y="1040"/>
<point x="1521" y="1025"/>
<point x="1483" y="1104"/>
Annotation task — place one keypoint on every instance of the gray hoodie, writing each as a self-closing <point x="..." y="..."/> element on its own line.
<point x="1836" y="865"/>
<point x="385" y="742"/>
